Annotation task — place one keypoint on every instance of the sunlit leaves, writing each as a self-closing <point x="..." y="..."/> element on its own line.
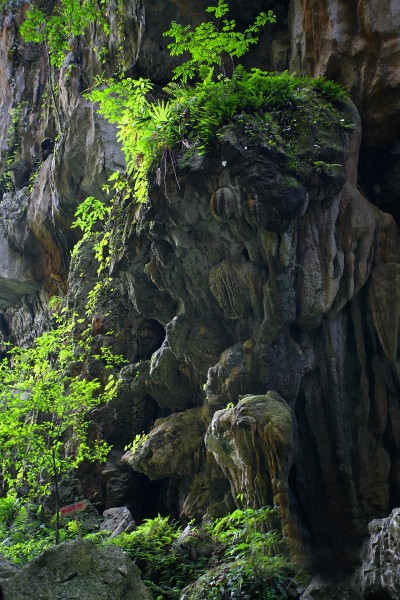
<point x="210" y="42"/>
<point x="44" y="406"/>
<point x="70" y="19"/>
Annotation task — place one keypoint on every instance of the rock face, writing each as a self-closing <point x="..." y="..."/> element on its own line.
<point x="378" y="576"/>
<point x="257" y="303"/>
<point x="7" y="569"/>
<point x="286" y="286"/>
<point x="79" y="569"/>
<point x="357" y="44"/>
<point x="117" y="520"/>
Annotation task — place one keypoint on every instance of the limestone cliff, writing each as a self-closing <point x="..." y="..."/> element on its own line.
<point x="256" y="299"/>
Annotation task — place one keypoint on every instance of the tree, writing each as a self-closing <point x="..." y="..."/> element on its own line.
<point x="45" y="408"/>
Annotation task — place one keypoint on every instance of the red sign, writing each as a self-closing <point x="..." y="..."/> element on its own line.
<point x="71" y="509"/>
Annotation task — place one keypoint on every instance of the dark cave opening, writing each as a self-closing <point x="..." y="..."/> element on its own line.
<point x="379" y="176"/>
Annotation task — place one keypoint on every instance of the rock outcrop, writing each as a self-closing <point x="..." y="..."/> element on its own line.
<point x="378" y="576"/>
<point x="283" y="280"/>
<point x="358" y="45"/>
<point x="265" y="275"/>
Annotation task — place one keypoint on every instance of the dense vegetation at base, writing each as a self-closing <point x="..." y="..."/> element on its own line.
<point x="238" y="556"/>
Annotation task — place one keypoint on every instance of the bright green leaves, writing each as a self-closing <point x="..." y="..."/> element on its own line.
<point x="243" y="561"/>
<point x="70" y="19"/>
<point x="147" y="128"/>
<point x="89" y="213"/>
<point x="209" y="43"/>
<point x="143" y="126"/>
<point x="92" y="215"/>
<point x="44" y="408"/>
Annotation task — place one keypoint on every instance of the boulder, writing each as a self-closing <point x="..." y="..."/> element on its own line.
<point x="319" y="589"/>
<point x="195" y="544"/>
<point x="118" y="520"/>
<point x="173" y="448"/>
<point x="78" y="570"/>
<point x="7" y="568"/>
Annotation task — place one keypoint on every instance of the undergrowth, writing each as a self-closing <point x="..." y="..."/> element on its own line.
<point x="238" y="556"/>
<point x="25" y="532"/>
<point x="203" y="96"/>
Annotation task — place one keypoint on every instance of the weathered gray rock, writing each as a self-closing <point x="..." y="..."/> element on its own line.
<point x="78" y="570"/>
<point x="118" y="520"/>
<point x="25" y="321"/>
<point x="197" y="544"/>
<point x="19" y="273"/>
<point x="379" y="574"/>
<point x="331" y="38"/>
<point x="174" y="447"/>
<point x="253" y="445"/>
<point x="7" y="568"/>
<point x="319" y="589"/>
<point x="17" y="276"/>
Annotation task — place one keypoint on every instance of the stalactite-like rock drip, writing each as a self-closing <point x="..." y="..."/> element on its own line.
<point x="357" y="44"/>
<point x="253" y="445"/>
<point x="236" y="284"/>
<point x="384" y="304"/>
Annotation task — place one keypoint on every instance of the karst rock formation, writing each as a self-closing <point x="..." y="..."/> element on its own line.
<point x="258" y="309"/>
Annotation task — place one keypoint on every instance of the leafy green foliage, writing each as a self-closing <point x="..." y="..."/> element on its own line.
<point x="201" y="110"/>
<point x="143" y="127"/>
<point x="13" y="138"/>
<point x="25" y="532"/>
<point x="251" y="566"/>
<point x="45" y="407"/>
<point x="137" y="442"/>
<point x="208" y="43"/>
<point x="148" y="128"/>
<point x="153" y="132"/>
<point x="164" y="569"/>
<point x="90" y="216"/>
<point x="69" y="19"/>
<point x="194" y="115"/>
<point x="246" y="561"/>
<point x="22" y="537"/>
